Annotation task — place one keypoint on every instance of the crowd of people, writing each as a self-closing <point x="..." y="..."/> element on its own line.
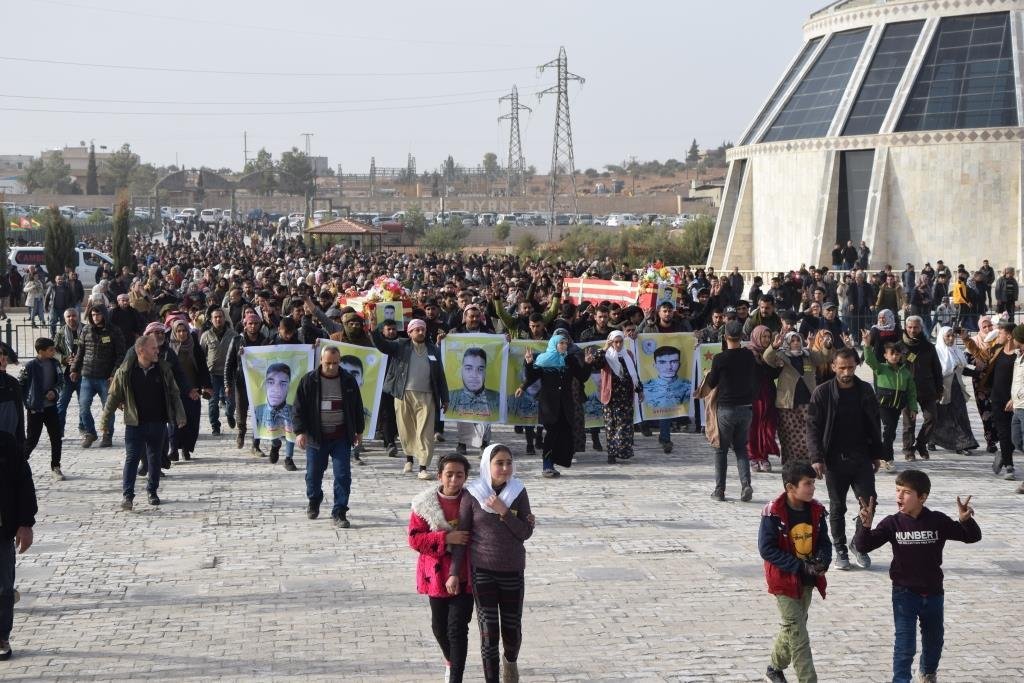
<point x="170" y="329"/>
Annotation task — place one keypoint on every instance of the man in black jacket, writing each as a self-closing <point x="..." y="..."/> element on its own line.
<point x="415" y="377"/>
<point x="920" y="355"/>
<point x="328" y="422"/>
<point x="234" y="379"/>
<point x="844" y="443"/>
<point x="101" y="349"/>
<point x="17" y="517"/>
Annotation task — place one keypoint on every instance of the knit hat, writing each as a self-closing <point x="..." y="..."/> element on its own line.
<point x="1018" y="334"/>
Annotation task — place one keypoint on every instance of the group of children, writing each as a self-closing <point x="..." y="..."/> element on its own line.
<point x="793" y="542"/>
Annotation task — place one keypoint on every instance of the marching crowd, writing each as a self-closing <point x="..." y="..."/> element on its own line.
<point x="170" y="330"/>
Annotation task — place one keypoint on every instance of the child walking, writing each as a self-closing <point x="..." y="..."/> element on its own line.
<point x="41" y="384"/>
<point x="433" y="531"/>
<point x="896" y="391"/>
<point x="918" y="536"/>
<point x="497" y="516"/>
<point x="794" y="544"/>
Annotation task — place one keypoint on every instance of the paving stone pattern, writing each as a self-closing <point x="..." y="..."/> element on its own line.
<point x="634" y="573"/>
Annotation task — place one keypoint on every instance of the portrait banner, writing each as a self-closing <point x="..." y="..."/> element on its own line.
<point x="666" y="372"/>
<point x="367" y="365"/>
<point x="272" y="375"/>
<point x="704" y="356"/>
<point x="474" y="366"/>
<point x="390" y="310"/>
<point x="593" y="409"/>
<point x="521" y="411"/>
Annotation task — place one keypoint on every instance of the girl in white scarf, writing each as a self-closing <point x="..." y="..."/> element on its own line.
<point x="482" y="489"/>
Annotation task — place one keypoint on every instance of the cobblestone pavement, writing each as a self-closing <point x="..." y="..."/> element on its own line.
<point x="634" y="573"/>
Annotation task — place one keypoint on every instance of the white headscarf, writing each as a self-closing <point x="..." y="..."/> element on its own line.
<point x="616" y="360"/>
<point x="481" y="489"/>
<point x="950" y="356"/>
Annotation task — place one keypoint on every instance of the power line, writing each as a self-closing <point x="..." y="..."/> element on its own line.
<point x="290" y="103"/>
<point x="293" y="74"/>
<point x="426" y="105"/>
<point x="192" y="21"/>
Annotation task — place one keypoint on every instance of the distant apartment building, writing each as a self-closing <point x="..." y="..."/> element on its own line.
<point x="77" y="158"/>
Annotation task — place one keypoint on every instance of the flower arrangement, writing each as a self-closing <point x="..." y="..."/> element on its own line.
<point x="658" y="273"/>
<point x="387" y="289"/>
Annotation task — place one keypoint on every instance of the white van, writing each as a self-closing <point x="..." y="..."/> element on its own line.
<point x="88" y="261"/>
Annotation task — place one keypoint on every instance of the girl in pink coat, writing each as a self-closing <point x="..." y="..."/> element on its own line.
<point x="433" y="530"/>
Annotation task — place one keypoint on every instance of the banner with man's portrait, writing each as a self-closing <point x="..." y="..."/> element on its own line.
<point x="474" y="366"/>
<point x="665" y="362"/>
<point x="272" y="375"/>
<point x="593" y="409"/>
<point x="367" y="365"/>
<point x="521" y="411"/>
<point x="704" y="357"/>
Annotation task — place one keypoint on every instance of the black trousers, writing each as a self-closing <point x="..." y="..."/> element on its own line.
<point x="34" y="427"/>
<point x="449" y="619"/>
<point x="840" y="476"/>
<point x="928" y="407"/>
<point x="890" y="422"/>
<point x="388" y="421"/>
<point x="499" y="609"/>
<point x="1003" y="420"/>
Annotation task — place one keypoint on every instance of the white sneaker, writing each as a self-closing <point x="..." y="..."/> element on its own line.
<point x="424" y="475"/>
<point x="407" y="469"/>
<point x="447" y="673"/>
<point x="888" y="466"/>
<point x="1009" y="476"/>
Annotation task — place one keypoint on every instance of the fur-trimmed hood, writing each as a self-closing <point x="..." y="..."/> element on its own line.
<point x="426" y="505"/>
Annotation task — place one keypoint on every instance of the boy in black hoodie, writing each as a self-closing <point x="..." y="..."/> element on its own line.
<point x="918" y="536"/>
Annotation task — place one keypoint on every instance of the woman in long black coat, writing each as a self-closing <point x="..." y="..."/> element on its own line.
<point x="557" y="400"/>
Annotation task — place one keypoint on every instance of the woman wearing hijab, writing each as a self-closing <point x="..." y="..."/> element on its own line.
<point x="621" y="393"/>
<point x="193" y="365"/>
<point x="884" y="331"/>
<point x="981" y="351"/>
<point x="824" y="345"/>
<point x="764" y="416"/>
<point x="952" y="426"/>
<point x="496" y="513"/>
<point x="796" y="382"/>
<point x="579" y="416"/>
<point x="559" y="398"/>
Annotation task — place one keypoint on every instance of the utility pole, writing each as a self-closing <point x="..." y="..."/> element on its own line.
<point x="307" y="136"/>
<point x="245" y="149"/>
<point x="515" y="182"/>
<point x="562" y="162"/>
<point x="311" y="192"/>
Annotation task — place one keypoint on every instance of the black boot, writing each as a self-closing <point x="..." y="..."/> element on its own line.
<point x="275" y="452"/>
<point x="175" y="456"/>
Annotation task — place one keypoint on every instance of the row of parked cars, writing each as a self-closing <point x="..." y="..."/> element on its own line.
<point x="68" y="211"/>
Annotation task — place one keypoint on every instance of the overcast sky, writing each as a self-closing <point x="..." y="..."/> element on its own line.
<point x="386" y="79"/>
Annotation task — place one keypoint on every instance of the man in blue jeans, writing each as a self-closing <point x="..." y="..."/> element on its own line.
<point x="328" y="421"/>
<point x="150" y="396"/>
<point x="732" y="373"/>
<point x="101" y="349"/>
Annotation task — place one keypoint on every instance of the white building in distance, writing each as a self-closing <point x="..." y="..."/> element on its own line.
<point x="897" y="123"/>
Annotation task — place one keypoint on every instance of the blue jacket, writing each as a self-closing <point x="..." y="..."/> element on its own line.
<point x="32" y="390"/>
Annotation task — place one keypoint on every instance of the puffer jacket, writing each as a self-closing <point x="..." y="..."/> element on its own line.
<point x="427" y="530"/>
<point x="17" y="492"/>
<point x="216" y="347"/>
<point x="31" y="379"/>
<point x="783" y="570"/>
<point x="100" y="351"/>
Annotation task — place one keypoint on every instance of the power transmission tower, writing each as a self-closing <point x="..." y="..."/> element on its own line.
<point x="307" y="136"/>
<point x="515" y="184"/>
<point x="562" y="162"/>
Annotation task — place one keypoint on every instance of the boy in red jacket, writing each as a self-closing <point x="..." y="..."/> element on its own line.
<point x="794" y="544"/>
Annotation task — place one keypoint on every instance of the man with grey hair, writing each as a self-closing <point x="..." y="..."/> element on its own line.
<point x="919" y="354"/>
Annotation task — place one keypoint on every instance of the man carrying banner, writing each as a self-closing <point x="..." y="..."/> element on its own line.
<point x="415" y="377"/>
<point x="328" y="422"/>
<point x="663" y="322"/>
<point x="234" y="377"/>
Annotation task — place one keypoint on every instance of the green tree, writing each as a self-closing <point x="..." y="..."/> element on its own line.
<point x="502" y="230"/>
<point x="445" y="237"/>
<point x="693" y="155"/>
<point x="49" y="173"/>
<point x="116" y="172"/>
<point x="122" y="251"/>
<point x="92" y="183"/>
<point x="415" y="225"/>
<point x="297" y="170"/>
<point x="264" y="161"/>
<point x="143" y="178"/>
<point x="696" y="240"/>
<point x="58" y="242"/>
<point x="3" y="242"/>
<point x="491" y="169"/>
<point x="526" y="244"/>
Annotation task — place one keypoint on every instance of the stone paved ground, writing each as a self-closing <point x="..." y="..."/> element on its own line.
<point x="634" y="573"/>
